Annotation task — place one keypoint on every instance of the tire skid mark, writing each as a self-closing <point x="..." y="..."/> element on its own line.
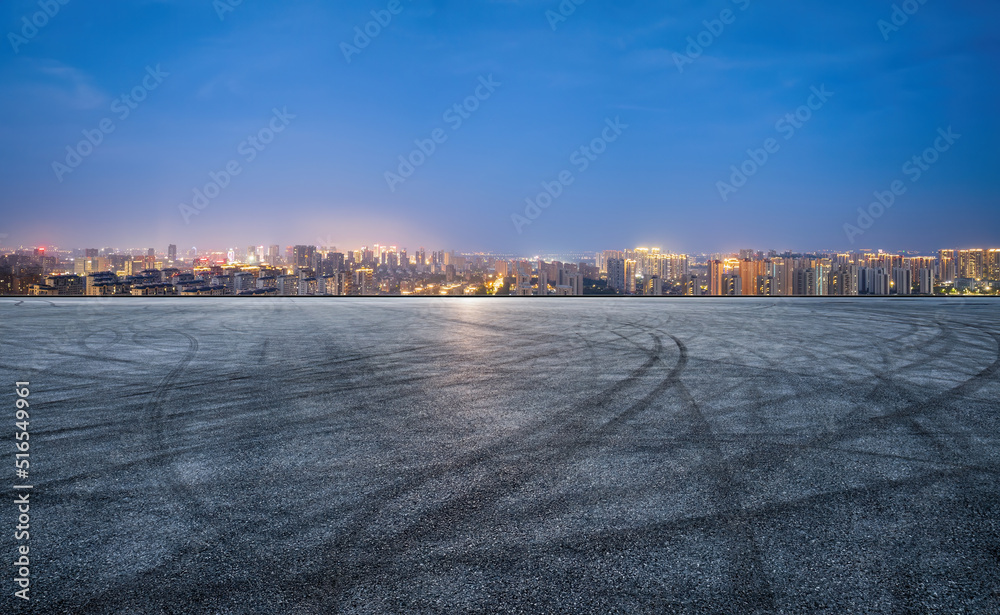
<point x="566" y="442"/>
<point x="386" y="555"/>
<point x="656" y="533"/>
<point x="754" y="584"/>
<point x="190" y="505"/>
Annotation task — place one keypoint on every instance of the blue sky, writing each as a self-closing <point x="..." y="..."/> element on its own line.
<point x="322" y="179"/>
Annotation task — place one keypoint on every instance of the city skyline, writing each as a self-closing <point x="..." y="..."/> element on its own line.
<point x="380" y="270"/>
<point x="8" y="247"/>
<point x="504" y="126"/>
<point x="282" y="249"/>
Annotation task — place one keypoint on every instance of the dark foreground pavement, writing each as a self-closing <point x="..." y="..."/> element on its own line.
<point x="491" y="456"/>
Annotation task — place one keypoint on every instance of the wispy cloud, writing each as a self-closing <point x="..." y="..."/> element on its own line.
<point x="69" y="87"/>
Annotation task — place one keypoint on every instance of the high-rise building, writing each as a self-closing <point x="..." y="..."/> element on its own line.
<point x="303" y="257"/>
<point x="243" y="282"/>
<point x="334" y="262"/>
<point x="749" y="271"/>
<point x="902" y="281"/>
<point x="364" y="282"/>
<point x="822" y="267"/>
<point x="575" y="282"/>
<point x="616" y="274"/>
<point x="716" y="270"/>
<point x="875" y="281"/>
<point x="993" y="266"/>
<point x="748" y="274"/>
<point x="732" y="285"/>
<point x="925" y="277"/>
<point x="606" y="256"/>
<point x="522" y="279"/>
<point x="946" y="266"/>
<point x="678" y="266"/>
<point x="843" y="281"/>
<point x="654" y="286"/>
<point x="692" y="286"/>
<point x="765" y="286"/>
<point x="171" y="253"/>
<point x="339" y="284"/>
<point x="970" y="264"/>
<point x="288" y="285"/>
<point x="805" y="282"/>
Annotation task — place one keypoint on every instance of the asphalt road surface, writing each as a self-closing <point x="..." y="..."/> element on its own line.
<point x="505" y="456"/>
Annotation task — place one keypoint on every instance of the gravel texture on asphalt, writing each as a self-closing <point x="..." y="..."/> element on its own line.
<point x="507" y="456"/>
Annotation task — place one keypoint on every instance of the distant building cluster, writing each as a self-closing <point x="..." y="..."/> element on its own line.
<point x="301" y="270"/>
<point x="853" y="274"/>
<point x="307" y="270"/>
<point x="752" y="273"/>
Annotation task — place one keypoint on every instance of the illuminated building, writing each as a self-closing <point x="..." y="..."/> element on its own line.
<point x="715" y="272"/>
<point x="765" y="286"/>
<point x="630" y="276"/>
<point x="287" y="285"/>
<point x="309" y="287"/>
<point x="732" y="285"/>
<point x="993" y="265"/>
<point x="522" y="279"/>
<point x="691" y="286"/>
<point x="616" y="274"/>
<point x="243" y="282"/>
<point x="364" y="282"/>
<point x="654" y="286"/>
<point x="805" y="282"/>
<point x="66" y="285"/>
<point x="946" y="266"/>
<point x="843" y="281"/>
<point x="970" y="264"/>
<point x="749" y="271"/>
<point x="303" y="257"/>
